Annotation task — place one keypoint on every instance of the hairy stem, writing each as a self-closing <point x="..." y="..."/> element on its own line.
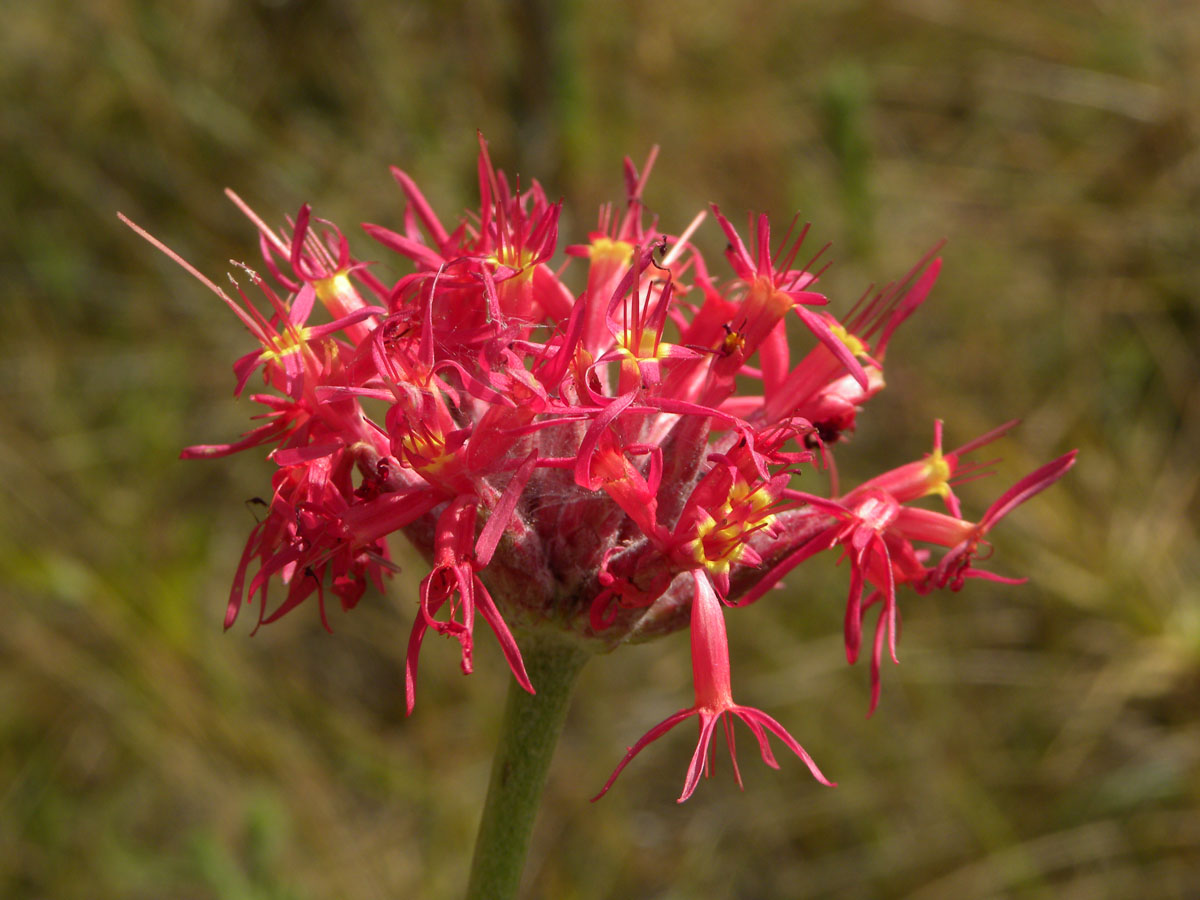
<point x="528" y="734"/>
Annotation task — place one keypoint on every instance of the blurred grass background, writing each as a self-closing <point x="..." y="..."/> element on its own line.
<point x="1039" y="741"/>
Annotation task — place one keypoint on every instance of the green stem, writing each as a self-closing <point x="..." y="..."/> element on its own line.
<point x="528" y="734"/>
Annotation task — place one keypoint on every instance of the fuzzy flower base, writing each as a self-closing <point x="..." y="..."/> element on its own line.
<point x="613" y="464"/>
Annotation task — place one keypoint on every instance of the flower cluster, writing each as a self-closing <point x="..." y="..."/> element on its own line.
<point x="614" y="463"/>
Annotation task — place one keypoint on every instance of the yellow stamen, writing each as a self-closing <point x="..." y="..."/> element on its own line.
<point x="292" y="340"/>
<point x="333" y="287"/>
<point x="605" y="249"/>
<point x="853" y="344"/>
<point x="721" y="542"/>
<point x="649" y="346"/>
<point x="936" y="472"/>
<point x="425" y="452"/>
<point x="511" y="258"/>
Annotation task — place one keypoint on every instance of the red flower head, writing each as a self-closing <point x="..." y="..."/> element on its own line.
<point x="608" y="454"/>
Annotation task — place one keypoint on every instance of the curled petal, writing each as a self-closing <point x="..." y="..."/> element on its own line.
<point x="649" y="737"/>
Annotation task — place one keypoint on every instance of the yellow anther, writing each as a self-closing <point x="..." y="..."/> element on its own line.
<point x="853" y="344"/>
<point x="721" y="541"/>
<point x="291" y="341"/>
<point x="334" y="286"/>
<point x="425" y="452"/>
<point x="936" y="472"/>
<point x="605" y="249"/>
<point x="511" y="258"/>
<point x="649" y="347"/>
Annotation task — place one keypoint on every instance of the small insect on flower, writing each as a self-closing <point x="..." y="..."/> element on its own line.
<point x="734" y="342"/>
